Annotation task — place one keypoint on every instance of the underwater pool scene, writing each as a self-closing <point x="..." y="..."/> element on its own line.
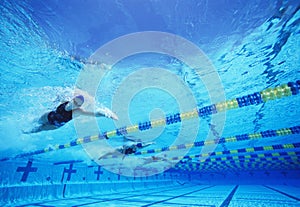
<point x="150" y="103"/>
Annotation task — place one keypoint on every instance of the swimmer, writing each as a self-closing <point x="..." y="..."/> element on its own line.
<point x="148" y="160"/>
<point x="65" y="112"/>
<point x="128" y="148"/>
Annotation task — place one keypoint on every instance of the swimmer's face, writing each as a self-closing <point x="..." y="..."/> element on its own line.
<point x="78" y="102"/>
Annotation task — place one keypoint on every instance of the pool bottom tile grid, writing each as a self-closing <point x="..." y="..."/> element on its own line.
<point x="189" y="196"/>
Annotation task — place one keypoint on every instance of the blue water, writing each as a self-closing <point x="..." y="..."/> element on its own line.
<point x="195" y="54"/>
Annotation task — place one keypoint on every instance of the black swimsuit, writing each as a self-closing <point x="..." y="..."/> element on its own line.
<point x="128" y="149"/>
<point x="60" y="116"/>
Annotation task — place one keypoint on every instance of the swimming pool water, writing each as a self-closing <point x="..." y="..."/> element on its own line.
<point x="215" y="84"/>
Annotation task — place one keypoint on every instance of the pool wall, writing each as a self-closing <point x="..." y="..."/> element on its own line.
<point x="32" y="180"/>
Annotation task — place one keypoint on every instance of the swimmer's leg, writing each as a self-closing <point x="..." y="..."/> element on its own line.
<point x="107" y="154"/>
<point x="44" y="127"/>
<point x="116" y="151"/>
<point x="131" y="138"/>
<point x="44" y="119"/>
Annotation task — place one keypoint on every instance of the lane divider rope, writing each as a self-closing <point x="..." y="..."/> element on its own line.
<point x="284" y="90"/>
<point x="262" y="156"/>
<point x="285" y="159"/>
<point x="243" y="137"/>
<point x="236" y="165"/>
<point x="246" y="162"/>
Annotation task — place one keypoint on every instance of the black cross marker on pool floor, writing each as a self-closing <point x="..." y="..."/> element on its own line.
<point x="69" y="171"/>
<point x="26" y="170"/>
<point x="98" y="172"/>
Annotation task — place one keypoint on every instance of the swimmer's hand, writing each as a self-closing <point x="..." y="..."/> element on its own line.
<point x="107" y="113"/>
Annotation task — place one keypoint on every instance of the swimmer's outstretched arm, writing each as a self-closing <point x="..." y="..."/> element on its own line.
<point x="105" y="112"/>
<point x="146" y="144"/>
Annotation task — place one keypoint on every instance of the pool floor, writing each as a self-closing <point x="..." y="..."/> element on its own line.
<point x="188" y="195"/>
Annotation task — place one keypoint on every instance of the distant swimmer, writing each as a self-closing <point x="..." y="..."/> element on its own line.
<point x="130" y="147"/>
<point x="65" y="112"/>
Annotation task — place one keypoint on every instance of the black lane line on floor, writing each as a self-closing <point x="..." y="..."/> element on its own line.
<point x="130" y="196"/>
<point x="283" y="193"/>
<point x="229" y="197"/>
<point x="46" y="203"/>
<point x="42" y="205"/>
<point x="73" y="198"/>
<point x="266" y="200"/>
<point x="187" y="198"/>
<point x="35" y="204"/>
<point x="177" y="196"/>
<point x="171" y="203"/>
<point x="144" y="194"/>
<point x="188" y="204"/>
